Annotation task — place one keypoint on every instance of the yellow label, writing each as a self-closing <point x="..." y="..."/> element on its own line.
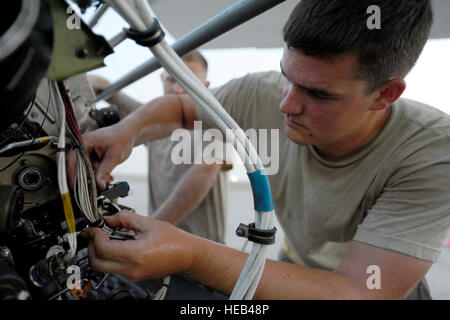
<point x="68" y="212"/>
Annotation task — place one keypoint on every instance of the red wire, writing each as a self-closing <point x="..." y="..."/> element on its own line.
<point x="70" y="114"/>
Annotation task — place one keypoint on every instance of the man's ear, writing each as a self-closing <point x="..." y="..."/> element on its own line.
<point x="388" y="94"/>
<point x="207" y="83"/>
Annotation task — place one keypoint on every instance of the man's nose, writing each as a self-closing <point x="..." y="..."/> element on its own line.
<point x="292" y="102"/>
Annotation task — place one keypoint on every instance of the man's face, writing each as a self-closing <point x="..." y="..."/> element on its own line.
<point x="171" y="86"/>
<point x="322" y="101"/>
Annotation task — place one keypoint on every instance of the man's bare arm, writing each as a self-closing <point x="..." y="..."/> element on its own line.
<point x="161" y="249"/>
<point x="399" y="274"/>
<point x="160" y="117"/>
<point x="192" y="188"/>
<point x="112" y="145"/>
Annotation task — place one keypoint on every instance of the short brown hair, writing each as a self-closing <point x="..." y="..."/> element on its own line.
<point x="196" y="56"/>
<point x="326" y="28"/>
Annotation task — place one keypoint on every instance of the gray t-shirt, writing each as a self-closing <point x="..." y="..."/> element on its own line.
<point x="394" y="193"/>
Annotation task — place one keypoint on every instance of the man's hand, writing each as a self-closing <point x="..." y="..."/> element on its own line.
<point x="106" y="147"/>
<point x="159" y="249"/>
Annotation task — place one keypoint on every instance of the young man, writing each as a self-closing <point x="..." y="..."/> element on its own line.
<point x="191" y="196"/>
<point x="364" y="182"/>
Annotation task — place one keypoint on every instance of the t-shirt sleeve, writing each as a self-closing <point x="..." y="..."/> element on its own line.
<point x="412" y="213"/>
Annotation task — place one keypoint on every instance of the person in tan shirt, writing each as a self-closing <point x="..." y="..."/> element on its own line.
<point x="364" y="175"/>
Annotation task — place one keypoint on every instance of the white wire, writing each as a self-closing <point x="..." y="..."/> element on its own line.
<point x="143" y="10"/>
<point x="257" y="276"/>
<point x="254" y="285"/>
<point x="61" y="160"/>
<point x="81" y="187"/>
<point x="161" y="294"/>
<point x="204" y="98"/>
<point x="252" y="271"/>
<point x="128" y="13"/>
<point x="178" y="69"/>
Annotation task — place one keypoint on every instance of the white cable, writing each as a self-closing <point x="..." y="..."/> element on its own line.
<point x="81" y="188"/>
<point x="128" y="13"/>
<point x="251" y="276"/>
<point x="61" y="160"/>
<point x="161" y="294"/>
<point x="143" y="11"/>
<point x="204" y="98"/>
<point x="254" y="285"/>
<point x="178" y="69"/>
<point x="252" y="271"/>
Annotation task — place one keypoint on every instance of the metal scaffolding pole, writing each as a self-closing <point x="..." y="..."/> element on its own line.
<point x="228" y="19"/>
<point x="98" y="14"/>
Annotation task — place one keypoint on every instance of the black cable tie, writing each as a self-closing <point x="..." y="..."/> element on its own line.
<point x="261" y="236"/>
<point x="147" y="38"/>
<point x="99" y="223"/>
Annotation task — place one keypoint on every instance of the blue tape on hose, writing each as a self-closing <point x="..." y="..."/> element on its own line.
<point x="262" y="197"/>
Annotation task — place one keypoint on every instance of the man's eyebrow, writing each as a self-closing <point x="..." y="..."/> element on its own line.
<point x="319" y="91"/>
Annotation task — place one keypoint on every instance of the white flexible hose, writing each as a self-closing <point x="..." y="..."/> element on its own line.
<point x="141" y="21"/>
<point x="206" y="100"/>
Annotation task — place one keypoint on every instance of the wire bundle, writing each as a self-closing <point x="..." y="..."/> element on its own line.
<point x="161" y="294"/>
<point x="85" y="193"/>
<point x="138" y="16"/>
<point x="62" y="175"/>
<point x="85" y="189"/>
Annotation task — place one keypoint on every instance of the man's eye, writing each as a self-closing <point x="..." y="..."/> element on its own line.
<point x="319" y="96"/>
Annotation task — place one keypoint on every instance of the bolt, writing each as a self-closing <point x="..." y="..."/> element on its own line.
<point x="82" y="53"/>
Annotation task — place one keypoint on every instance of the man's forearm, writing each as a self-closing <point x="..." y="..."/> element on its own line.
<point x="219" y="267"/>
<point x="189" y="192"/>
<point x="156" y="119"/>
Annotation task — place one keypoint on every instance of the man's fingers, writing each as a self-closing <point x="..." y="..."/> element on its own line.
<point x="107" y="249"/>
<point x="103" y="172"/>
<point x="100" y="264"/>
<point x="128" y="220"/>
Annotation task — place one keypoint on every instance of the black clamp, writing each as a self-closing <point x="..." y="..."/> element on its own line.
<point x="261" y="236"/>
<point x="105" y="117"/>
<point x="147" y="38"/>
<point x="100" y="223"/>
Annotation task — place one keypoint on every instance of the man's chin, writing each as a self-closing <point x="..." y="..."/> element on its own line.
<point x="297" y="137"/>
